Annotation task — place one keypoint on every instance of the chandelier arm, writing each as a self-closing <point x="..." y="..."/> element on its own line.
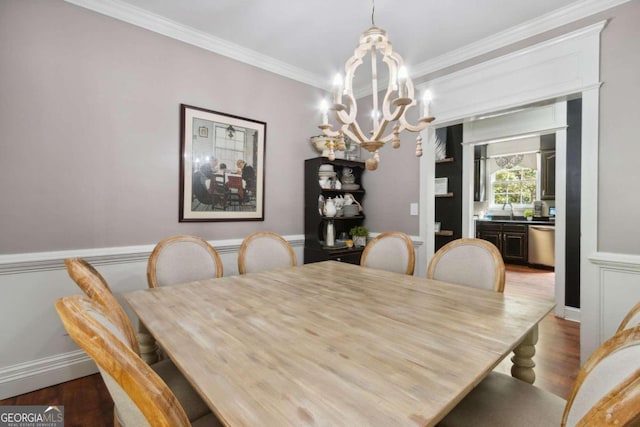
<point x="327" y="131"/>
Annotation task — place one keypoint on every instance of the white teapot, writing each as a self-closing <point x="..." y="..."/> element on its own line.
<point x="329" y="208"/>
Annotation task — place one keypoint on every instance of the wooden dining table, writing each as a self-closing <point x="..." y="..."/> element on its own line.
<point x="335" y="344"/>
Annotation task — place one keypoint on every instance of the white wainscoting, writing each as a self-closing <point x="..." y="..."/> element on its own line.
<point x="35" y="350"/>
<point x="619" y="289"/>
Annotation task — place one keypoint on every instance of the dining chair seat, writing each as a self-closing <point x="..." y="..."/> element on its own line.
<point x="606" y="392"/>
<point x="265" y="250"/>
<point x="390" y="251"/>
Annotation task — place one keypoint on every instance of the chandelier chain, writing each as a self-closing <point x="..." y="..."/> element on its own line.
<point x="373" y="11"/>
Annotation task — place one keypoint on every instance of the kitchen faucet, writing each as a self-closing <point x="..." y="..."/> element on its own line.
<point x="511" y="206"/>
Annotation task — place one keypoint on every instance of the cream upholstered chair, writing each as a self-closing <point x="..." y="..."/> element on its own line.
<point x="606" y="392"/>
<point x="631" y="319"/>
<point x="96" y="287"/>
<point x="141" y="396"/>
<point x="391" y="251"/>
<point x="180" y="259"/>
<point x="470" y="262"/>
<point x="265" y="250"/>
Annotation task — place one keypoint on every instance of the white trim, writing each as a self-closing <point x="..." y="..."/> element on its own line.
<point x="550" y="21"/>
<point x="571" y="313"/>
<point x="54" y="260"/>
<point x="139" y="17"/>
<point x="36" y="374"/>
<point x="548" y="71"/>
<point x="617" y="261"/>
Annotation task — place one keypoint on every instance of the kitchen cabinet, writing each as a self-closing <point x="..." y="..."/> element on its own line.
<point x="315" y="222"/>
<point x="510" y="239"/>
<point x="548" y="174"/>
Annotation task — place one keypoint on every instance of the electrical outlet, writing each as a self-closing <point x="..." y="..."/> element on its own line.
<point x="413" y="209"/>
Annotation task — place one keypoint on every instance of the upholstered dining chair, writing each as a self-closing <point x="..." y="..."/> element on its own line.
<point x="631" y="319"/>
<point x="605" y="392"/>
<point x="141" y="396"/>
<point x="182" y="258"/>
<point x="94" y="285"/>
<point x="265" y="250"/>
<point x="391" y="251"/>
<point x="470" y="262"/>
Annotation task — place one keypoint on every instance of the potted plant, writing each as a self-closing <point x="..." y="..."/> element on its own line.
<point x="359" y="235"/>
<point x="528" y="214"/>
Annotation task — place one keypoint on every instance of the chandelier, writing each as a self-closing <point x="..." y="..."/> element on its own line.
<point x="398" y="99"/>
<point x="508" y="162"/>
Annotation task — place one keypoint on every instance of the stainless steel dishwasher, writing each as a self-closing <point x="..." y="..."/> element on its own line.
<point x="542" y="245"/>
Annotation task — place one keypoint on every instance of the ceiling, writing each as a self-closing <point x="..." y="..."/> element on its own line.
<point x="310" y="40"/>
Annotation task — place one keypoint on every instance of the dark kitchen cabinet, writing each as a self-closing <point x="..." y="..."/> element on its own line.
<point x="510" y="239"/>
<point x="315" y="222"/>
<point x="548" y="174"/>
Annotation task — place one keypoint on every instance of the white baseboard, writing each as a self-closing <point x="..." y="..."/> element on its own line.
<point x="36" y="374"/>
<point x="572" y="313"/>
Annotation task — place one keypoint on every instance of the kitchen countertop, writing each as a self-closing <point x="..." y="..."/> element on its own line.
<point x="518" y="221"/>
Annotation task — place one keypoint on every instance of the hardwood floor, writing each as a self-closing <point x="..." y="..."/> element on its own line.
<point x="87" y="402"/>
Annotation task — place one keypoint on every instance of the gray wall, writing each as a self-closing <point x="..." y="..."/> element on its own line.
<point x="89" y="130"/>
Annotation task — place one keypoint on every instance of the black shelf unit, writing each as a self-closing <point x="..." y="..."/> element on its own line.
<point x="448" y="209"/>
<point x="315" y="222"/>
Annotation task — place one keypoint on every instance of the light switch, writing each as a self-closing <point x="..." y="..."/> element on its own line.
<point x="413" y="209"/>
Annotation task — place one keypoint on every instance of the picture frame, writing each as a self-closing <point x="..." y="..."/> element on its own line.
<point x="436" y="227"/>
<point x="222" y="166"/>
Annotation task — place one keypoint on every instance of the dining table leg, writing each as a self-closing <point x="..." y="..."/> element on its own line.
<point x="147" y="344"/>
<point x="522" y="359"/>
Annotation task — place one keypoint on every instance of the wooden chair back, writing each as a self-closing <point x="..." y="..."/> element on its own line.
<point x="391" y="251"/>
<point x="140" y="396"/>
<point x="631" y="319"/>
<point x="180" y="259"/>
<point x="94" y="285"/>
<point x="470" y="262"/>
<point x="607" y="388"/>
<point x="265" y="250"/>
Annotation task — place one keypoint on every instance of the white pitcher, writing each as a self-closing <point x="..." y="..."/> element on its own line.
<point x="329" y="208"/>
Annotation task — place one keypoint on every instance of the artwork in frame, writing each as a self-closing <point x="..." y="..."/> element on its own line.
<point x="221" y="166"/>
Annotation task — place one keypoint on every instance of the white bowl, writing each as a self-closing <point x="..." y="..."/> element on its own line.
<point x="326" y="168"/>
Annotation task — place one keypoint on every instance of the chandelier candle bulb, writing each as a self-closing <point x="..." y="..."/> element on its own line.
<point x="337" y="89"/>
<point x="402" y="82"/>
<point x="426" y="100"/>
<point x="324" y="108"/>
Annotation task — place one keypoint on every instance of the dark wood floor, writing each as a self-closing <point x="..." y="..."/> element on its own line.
<point x="87" y="402"/>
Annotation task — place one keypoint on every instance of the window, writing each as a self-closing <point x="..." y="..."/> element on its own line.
<point x="516" y="186"/>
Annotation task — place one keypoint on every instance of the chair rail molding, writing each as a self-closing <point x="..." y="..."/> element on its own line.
<point x="32" y="282"/>
<point x="550" y="71"/>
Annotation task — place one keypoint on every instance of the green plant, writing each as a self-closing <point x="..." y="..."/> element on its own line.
<point x="359" y="231"/>
<point x="528" y="213"/>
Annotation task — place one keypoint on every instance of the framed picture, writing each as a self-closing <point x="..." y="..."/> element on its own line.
<point x="441" y="186"/>
<point x="221" y="166"/>
<point x="436" y="227"/>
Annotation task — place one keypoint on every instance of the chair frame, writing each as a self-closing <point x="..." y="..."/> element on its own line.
<point x="630" y="315"/>
<point x="153" y="258"/>
<point x="499" y="282"/>
<point x="620" y="405"/>
<point x="144" y="387"/>
<point x="247" y="241"/>
<point x="411" y="265"/>
<point x="94" y="285"/>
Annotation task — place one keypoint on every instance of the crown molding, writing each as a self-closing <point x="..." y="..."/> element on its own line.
<point x="550" y="21"/>
<point x="125" y="12"/>
<point x="150" y="21"/>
